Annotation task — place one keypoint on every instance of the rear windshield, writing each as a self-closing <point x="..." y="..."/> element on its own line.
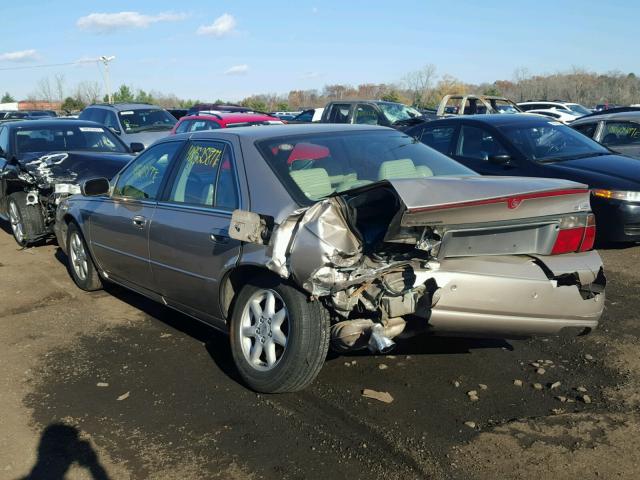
<point x="144" y="120"/>
<point x="64" y="138"/>
<point x="314" y="166"/>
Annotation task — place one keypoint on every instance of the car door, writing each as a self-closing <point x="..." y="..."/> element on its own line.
<point x="119" y="224"/>
<point x="478" y="148"/>
<point x="190" y="248"/>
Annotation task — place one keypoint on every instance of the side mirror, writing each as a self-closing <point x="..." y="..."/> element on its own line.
<point x="136" y="147"/>
<point x="95" y="187"/>
<point x="500" y="159"/>
<point x="250" y="227"/>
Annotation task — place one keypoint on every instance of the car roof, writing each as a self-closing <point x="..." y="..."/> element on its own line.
<point x="274" y="131"/>
<point x="493" y="119"/>
<point x="230" y="117"/>
<point x="52" y="122"/>
<point x="635" y="116"/>
<point x="126" y="106"/>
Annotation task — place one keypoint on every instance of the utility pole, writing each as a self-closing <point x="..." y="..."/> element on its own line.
<point x="105" y="60"/>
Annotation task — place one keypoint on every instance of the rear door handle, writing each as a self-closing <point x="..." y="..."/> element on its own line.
<point x="139" y="221"/>
<point x="219" y="235"/>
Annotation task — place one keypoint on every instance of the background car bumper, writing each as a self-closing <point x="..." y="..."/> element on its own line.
<point x="617" y="221"/>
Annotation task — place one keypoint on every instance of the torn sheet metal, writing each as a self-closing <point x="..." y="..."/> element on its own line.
<point x="322" y="247"/>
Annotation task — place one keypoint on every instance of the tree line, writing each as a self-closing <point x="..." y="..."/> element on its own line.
<point x="422" y="88"/>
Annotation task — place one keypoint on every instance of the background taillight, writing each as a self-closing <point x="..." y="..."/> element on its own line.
<point x="576" y="234"/>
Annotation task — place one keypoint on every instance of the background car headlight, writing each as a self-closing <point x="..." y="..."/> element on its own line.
<point x="617" y="195"/>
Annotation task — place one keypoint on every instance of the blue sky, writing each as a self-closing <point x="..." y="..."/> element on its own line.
<point x="210" y="49"/>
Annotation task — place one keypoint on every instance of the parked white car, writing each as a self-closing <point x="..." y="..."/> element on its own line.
<point x="559" y="115"/>
<point x="572" y="108"/>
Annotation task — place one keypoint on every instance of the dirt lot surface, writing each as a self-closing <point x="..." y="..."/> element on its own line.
<point x="110" y="385"/>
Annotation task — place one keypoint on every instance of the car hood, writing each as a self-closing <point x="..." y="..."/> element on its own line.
<point x="605" y="171"/>
<point x="146" y="138"/>
<point x="74" y="166"/>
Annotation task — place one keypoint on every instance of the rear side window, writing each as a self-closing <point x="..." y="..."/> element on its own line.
<point x="621" y="133"/>
<point x="478" y="143"/>
<point x="588" y="129"/>
<point x="206" y="177"/>
<point x="438" y="138"/>
<point x="184" y="126"/>
<point x="200" y="125"/>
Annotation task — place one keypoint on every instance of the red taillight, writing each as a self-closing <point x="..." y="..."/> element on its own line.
<point x="578" y="235"/>
<point x="568" y="240"/>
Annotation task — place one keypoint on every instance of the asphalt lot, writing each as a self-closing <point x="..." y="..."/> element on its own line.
<point x="110" y="385"/>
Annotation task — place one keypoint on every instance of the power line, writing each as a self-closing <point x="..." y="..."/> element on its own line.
<point x="25" y="67"/>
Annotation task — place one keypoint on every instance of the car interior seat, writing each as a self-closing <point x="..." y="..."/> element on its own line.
<point x="403" y="168"/>
<point x="314" y="182"/>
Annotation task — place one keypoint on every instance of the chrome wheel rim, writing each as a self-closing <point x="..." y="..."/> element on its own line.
<point x="264" y="330"/>
<point x="78" y="256"/>
<point x="16" y="223"/>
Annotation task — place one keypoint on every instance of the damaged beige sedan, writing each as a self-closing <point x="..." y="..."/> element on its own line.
<point x="296" y="238"/>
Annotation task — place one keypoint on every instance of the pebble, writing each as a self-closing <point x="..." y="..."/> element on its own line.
<point x="517" y="383"/>
<point x="535" y="364"/>
<point x="347" y="364"/>
<point x="557" y="411"/>
<point x="555" y="385"/>
<point x="472" y="393"/>
<point x="382" y="366"/>
<point x="470" y="424"/>
<point x="541" y="371"/>
<point x="588" y="357"/>
<point x="561" y="398"/>
<point x="353" y="362"/>
<point x="124" y="396"/>
<point x="102" y="384"/>
<point x="482" y="386"/>
<point x="581" y="389"/>
<point x="586" y="398"/>
<point x="537" y="386"/>
<point x="456" y="383"/>
<point x="549" y="362"/>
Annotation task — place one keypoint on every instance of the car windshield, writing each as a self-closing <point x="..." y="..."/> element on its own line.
<point x="397" y="112"/>
<point x="551" y="142"/>
<point x="66" y="137"/>
<point x="578" y="109"/>
<point x="314" y="166"/>
<point x="140" y="120"/>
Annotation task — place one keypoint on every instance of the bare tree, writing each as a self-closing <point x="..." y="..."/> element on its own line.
<point x="44" y="91"/>
<point x="88" y="92"/>
<point x="420" y="83"/>
<point x="59" y="89"/>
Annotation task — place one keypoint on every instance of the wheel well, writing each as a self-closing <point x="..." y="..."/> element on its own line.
<point x="234" y="281"/>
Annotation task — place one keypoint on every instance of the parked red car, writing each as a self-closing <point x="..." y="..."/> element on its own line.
<point x="214" y="120"/>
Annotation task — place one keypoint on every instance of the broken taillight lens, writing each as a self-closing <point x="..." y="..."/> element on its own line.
<point x="576" y="234"/>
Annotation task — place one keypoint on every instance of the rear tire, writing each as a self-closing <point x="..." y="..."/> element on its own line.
<point x="279" y="339"/>
<point x="27" y="221"/>
<point x="79" y="262"/>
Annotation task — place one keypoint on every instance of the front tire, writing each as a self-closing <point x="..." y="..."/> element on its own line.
<point x="279" y="339"/>
<point x="79" y="262"/>
<point x="27" y="221"/>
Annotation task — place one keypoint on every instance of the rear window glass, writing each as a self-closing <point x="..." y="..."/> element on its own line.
<point x="313" y="167"/>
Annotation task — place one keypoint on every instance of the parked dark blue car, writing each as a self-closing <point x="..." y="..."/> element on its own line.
<point x="533" y="146"/>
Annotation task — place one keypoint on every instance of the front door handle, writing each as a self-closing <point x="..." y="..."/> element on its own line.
<point x="139" y="221"/>
<point x="219" y="235"/>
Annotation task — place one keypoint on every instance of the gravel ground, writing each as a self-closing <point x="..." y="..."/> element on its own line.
<point x="111" y="385"/>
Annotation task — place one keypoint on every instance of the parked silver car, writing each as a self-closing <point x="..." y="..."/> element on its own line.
<point x="295" y="237"/>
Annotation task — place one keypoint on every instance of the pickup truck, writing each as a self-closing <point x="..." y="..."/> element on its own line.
<point x="475" y="104"/>
<point x="372" y="112"/>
